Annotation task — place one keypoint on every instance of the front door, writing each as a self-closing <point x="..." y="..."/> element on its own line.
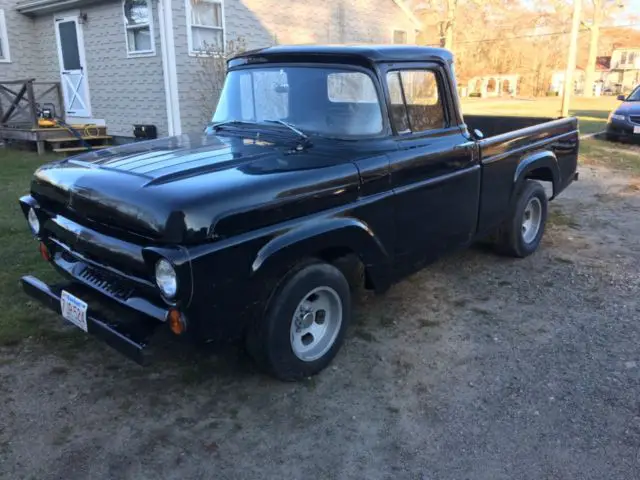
<point x="73" y="70"/>
<point x="435" y="172"/>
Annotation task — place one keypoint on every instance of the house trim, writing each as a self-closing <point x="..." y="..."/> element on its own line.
<point x="169" y="69"/>
<point x="39" y="7"/>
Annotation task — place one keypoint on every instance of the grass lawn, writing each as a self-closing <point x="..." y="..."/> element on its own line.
<point x="592" y="112"/>
<point x="19" y="318"/>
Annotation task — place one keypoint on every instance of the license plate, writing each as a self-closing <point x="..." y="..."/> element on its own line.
<point x="636" y="129"/>
<point x="74" y="310"/>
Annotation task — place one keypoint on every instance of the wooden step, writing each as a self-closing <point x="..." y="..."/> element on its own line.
<point x="80" y="149"/>
<point x="76" y="139"/>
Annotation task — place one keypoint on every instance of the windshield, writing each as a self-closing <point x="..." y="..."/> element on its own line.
<point x="635" y="96"/>
<point x="326" y="101"/>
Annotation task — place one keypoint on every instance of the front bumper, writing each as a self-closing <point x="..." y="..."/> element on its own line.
<point x="623" y="130"/>
<point x="127" y="332"/>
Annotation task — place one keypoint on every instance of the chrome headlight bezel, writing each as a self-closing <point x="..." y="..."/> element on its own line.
<point x="617" y="116"/>
<point x="166" y="278"/>
<point x="33" y="221"/>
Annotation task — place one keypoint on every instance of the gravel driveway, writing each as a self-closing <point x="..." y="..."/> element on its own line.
<point x="478" y="367"/>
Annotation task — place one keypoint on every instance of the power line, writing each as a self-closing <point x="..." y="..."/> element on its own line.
<point x="537" y="35"/>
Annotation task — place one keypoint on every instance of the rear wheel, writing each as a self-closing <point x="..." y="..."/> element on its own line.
<point x="304" y="324"/>
<point x="522" y="232"/>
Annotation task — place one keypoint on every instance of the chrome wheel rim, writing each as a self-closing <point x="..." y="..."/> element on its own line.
<point x="531" y="220"/>
<point x="316" y="323"/>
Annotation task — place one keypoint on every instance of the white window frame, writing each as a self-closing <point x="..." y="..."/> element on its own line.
<point x="393" y="36"/>
<point x="200" y="53"/>
<point x="4" y="35"/>
<point x="127" y="28"/>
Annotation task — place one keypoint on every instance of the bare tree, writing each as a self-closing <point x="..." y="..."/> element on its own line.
<point x="211" y="74"/>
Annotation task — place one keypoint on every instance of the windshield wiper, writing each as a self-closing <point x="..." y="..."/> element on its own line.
<point x="293" y="128"/>
<point x="216" y="126"/>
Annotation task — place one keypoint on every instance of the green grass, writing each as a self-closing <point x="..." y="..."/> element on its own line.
<point x="19" y="318"/>
<point x="618" y="156"/>
<point x="592" y="112"/>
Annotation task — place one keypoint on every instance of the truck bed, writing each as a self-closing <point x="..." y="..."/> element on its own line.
<point x="509" y="145"/>
<point x="492" y="125"/>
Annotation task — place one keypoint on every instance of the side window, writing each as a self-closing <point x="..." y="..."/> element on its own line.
<point x="424" y="109"/>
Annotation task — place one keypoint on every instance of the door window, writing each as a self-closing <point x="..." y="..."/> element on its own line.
<point x="69" y="46"/>
<point x="421" y="107"/>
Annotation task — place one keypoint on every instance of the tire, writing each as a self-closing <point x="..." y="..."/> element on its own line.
<point x="612" y="137"/>
<point x="277" y="341"/>
<point x="519" y="237"/>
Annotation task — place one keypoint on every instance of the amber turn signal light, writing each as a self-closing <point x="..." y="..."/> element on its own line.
<point x="44" y="251"/>
<point x="176" y="322"/>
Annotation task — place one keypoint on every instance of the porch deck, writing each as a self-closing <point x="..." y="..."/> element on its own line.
<point x="21" y="105"/>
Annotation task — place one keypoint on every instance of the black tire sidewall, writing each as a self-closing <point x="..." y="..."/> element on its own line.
<point x="531" y="189"/>
<point x="276" y="343"/>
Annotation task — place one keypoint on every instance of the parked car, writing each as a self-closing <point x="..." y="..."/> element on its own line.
<point x="320" y="162"/>
<point x="624" y="121"/>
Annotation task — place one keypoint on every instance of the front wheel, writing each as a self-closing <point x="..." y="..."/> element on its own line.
<point x="522" y="232"/>
<point x="304" y="324"/>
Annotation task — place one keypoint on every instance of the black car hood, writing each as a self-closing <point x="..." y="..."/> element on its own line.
<point x="629" y="108"/>
<point x="199" y="187"/>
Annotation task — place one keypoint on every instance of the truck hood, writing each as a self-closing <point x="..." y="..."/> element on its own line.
<point x="193" y="188"/>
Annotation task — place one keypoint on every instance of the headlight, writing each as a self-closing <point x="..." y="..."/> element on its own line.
<point x="34" y="223"/>
<point x="615" y="116"/>
<point x="166" y="278"/>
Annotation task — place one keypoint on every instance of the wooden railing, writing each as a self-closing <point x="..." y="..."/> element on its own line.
<point x="20" y="101"/>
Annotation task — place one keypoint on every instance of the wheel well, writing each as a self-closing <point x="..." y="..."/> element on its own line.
<point x="543" y="174"/>
<point x="349" y="263"/>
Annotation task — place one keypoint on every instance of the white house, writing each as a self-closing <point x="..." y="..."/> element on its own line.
<point x="137" y="61"/>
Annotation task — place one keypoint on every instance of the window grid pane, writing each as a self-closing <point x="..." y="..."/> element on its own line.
<point x="206" y="14"/>
<point x="139" y="39"/>
<point x="136" y="12"/>
<point x="207" y="39"/>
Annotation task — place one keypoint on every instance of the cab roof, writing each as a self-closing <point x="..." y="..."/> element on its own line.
<point x="359" y="53"/>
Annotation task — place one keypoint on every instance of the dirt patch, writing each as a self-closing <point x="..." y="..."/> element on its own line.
<point x="477" y="367"/>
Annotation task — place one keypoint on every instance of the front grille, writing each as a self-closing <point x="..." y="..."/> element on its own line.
<point x="635" y="119"/>
<point x="106" y="282"/>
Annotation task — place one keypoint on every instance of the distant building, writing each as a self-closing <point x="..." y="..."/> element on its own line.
<point x="624" y="72"/>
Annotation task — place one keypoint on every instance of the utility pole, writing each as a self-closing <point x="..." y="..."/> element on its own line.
<point x="571" y="60"/>
<point x="594" y="28"/>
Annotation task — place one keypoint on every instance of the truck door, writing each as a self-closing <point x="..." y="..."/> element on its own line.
<point x="435" y="171"/>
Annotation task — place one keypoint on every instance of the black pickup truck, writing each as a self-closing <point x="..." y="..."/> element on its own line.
<point x="322" y="167"/>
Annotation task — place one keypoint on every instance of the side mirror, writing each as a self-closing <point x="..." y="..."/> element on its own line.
<point x="622" y="98"/>
<point x="479" y="135"/>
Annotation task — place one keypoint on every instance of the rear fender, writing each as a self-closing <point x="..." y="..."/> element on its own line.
<point x="547" y="165"/>
<point x="311" y="238"/>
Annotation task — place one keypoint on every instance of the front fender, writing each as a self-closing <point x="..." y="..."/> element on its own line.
<point x="312" y="238"/>
<point x="545" y="160"/>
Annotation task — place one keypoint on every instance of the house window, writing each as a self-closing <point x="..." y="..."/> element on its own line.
<point x="623" y="58"/>
<point x="4" y="40"/>
<point x="206" y="26"/>
<point x="399" y="37"/>
<point x="138" y="24"/>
